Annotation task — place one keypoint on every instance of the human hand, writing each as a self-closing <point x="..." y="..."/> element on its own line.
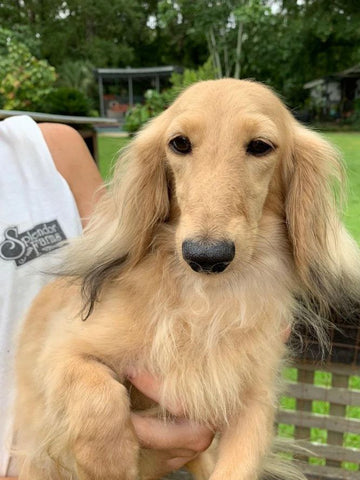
<point x="175" y="443"/>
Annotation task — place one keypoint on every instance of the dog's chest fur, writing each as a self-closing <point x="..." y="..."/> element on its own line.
<point x="204" y="345"/>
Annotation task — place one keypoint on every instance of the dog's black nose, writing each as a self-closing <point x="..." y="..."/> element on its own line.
<point x="208" y="257"/>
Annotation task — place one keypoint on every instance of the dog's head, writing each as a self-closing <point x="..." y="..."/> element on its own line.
<point x="223" y="145"/>
<point x="223" y="157"/>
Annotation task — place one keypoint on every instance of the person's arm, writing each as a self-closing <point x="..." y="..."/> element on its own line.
<point x="75" y="163"/>
<point x="176" y="443"/>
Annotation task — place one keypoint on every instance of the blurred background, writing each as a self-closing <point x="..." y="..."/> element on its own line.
<point x="55" y="55"/>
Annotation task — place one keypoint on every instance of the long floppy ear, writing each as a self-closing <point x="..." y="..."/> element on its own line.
<point x="120" y="230"/>
<point x="326" y="257"/>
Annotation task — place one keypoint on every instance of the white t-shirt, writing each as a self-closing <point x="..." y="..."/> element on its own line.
<point x="37" y="213"/>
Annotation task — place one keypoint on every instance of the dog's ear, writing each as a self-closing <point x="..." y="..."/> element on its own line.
<point x="140" y="189"/>
<point x="120" y="231"/>
<point x="313" y="172"/>
<point x="325" y="256"/>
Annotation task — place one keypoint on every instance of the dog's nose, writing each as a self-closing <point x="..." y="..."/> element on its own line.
<point x="208" y="257"/>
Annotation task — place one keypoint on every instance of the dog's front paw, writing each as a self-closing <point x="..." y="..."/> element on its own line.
<point x="104" y="444"/>
<point x="108" y="455"/>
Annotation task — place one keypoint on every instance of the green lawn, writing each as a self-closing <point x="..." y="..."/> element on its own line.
<point x="348" y="143"/>
<point x="109" y="149"/>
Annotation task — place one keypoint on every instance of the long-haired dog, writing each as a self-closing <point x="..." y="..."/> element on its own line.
<point x="219" y="230"/>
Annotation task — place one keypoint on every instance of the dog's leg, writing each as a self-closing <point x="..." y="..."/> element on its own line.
<point x="105" y="446"/>
<point x="245" y="442"/>
<point x="202" y="466"/>
<point x="88" y="416"/>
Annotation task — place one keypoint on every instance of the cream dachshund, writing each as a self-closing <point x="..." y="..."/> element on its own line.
<point x="219" y="230"/>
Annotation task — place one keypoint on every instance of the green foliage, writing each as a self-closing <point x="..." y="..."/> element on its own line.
<point x="136" y="117"/>
<point x="284" y="43"/>
<point x="285" y="46"/>
<point x="66" y="101"/>
<point x="104" y="32"/>
<point x="156" y="102"/>
<point x="226" y="27"/>
<point x="21" y="34"/>
<point x="77" y="74"/>
<point x="189" y="76"/>
<point x="24" y="79"/>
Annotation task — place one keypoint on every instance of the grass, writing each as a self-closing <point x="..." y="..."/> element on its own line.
<point x="349" y="146"/>
<point x="109" y="149"/>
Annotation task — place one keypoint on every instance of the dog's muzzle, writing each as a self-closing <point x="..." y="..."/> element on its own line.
<point x="208" y="257"/>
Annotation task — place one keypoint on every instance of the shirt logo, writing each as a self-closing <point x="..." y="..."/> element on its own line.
<point x="31" y="244"/>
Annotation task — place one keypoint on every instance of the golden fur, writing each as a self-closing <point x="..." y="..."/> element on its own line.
<point x="216" y="341"/>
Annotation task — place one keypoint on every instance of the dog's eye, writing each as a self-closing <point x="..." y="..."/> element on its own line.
<point x="180" y="144"/>
<point x="258" y="148"/>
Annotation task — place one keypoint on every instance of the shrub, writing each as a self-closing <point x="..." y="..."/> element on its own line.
<point x="24" y="79"/>
<point x="77" y="74"/>
<point x="154" y="104"/>
<point x="189" y="76"/>
<point x="66" y="101"/>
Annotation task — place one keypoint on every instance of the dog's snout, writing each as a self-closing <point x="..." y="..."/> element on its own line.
<point x="208" y="257"/>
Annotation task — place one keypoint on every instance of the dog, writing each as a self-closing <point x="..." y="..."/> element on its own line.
<point x="220" y="229"/>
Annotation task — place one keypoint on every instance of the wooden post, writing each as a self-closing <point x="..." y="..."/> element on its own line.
<point x="337" y="438"/>
<point x="131" y="91"/>
<point x="303" y="433"/>
<point x="101" y="96"/>
<point x="157" y="83"/>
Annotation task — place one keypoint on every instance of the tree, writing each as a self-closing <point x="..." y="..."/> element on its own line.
<point x="224" y="25"/>
<point x="24" y="79"/>
<point x="317" y="40"/>
<point x="104" y="32"/>
<point x="284" y="43"/>
<point x="77" y="74"/>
